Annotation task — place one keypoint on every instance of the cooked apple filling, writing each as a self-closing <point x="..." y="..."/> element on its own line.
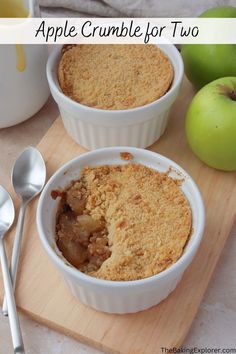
<point x="122" y="222"/>
<point x="82" y="239"/>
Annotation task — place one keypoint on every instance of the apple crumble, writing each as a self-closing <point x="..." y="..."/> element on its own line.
<point x="122" y="222"/>
<point x="114" y="76"/>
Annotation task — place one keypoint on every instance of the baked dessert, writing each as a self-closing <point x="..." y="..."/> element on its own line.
<point x="122" y="222"/>
<point x="114" y="76"/>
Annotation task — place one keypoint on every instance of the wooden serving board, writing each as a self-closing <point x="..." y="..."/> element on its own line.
<point x="42" y="294"/>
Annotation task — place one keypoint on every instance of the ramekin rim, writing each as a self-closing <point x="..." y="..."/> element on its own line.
<point x="109" y="283"/>
<point x="50" y="67"/>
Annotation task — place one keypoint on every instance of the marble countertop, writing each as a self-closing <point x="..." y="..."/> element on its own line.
<point x="215" y="323"/>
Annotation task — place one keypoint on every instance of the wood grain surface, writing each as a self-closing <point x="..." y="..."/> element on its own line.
<point x="42" y="294"/>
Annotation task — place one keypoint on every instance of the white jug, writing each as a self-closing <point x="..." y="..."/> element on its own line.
<point x="23" y="83"/>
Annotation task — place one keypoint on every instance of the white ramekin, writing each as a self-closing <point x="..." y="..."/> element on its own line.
<point x="120" y="296"/>
<point x="95" y="128"/>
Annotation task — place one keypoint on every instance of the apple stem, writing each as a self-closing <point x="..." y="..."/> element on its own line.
<point x="226" y="91"/>
<point x="232" y="95"/>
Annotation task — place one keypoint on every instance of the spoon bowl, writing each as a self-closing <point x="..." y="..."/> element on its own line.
<point x="7" y="212"/>
<point x="29" y="174"/>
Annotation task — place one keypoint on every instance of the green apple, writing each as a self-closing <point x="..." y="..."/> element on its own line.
<point x="207" y="62"/>
<point x="211" y="124"/>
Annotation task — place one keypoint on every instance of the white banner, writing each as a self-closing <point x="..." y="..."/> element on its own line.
<point x="118" y="30"/>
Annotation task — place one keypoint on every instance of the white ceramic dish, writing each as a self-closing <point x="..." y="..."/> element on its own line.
<point x="95" y="128"/>
<point x="120" y="296"/>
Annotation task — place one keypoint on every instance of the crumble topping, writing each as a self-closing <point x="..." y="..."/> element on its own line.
<point x="122" y="222"/>
<point x="114" y="76"/>
<point x="126" y="156"/>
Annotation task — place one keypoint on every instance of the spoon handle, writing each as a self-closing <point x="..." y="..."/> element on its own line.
<point x="13" y="317"/>
<point x="15" y="253"/>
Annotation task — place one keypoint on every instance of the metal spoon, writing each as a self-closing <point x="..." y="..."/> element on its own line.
<point x="7" y="214"/>
<point x="28" y="178"/>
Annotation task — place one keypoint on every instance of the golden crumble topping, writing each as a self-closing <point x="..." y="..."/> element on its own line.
<point x="122" y="222"/>
<point x="126" y="156"/>
<point x="114" y="76"/>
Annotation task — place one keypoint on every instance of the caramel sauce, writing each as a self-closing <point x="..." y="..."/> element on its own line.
<point x="20" y="57"/>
